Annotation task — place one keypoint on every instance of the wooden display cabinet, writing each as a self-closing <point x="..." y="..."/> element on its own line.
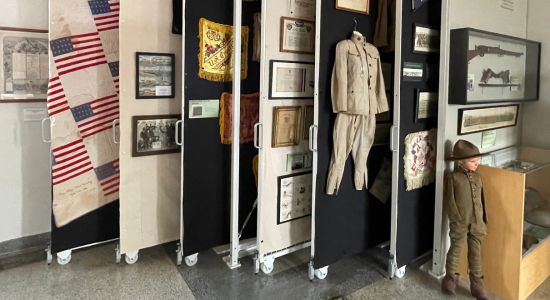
<point x="509" y="273"/>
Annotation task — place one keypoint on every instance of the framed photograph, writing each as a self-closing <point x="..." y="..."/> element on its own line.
<point x="308" y="121"/>
<point x="155" y="75"/>
<point x="413" y="71"/>
<point x="426" y="40"/>
<point x="299" y="161"/>
<point x="387" y="73"/>
<point x="486" y="67"/>
<point x="291" y="80"/>
<point x="152" y="135"/>
<point x="294" y="196"/>
<point x="416" y="4"/>
<point x="24" y="65"/>
<point x="358" y="6"/>
<point x="297" y="36"/>
<point x="471" y="120"/>
<point x="304" y="9"/>
<point x="286" y="124"/>
<point x="425" y="106"/>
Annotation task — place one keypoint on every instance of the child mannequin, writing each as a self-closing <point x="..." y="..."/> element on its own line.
<point x="463" y="199"/>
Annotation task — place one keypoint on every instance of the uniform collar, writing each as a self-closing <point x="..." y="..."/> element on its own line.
<point x="463" y="170"/>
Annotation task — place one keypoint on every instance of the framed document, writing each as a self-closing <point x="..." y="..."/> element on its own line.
<point x="426" y="105"/>
<point x="294" y="196"/>
<point x="286" y="122"/>
<point x="471" y="120"/>
<point x="152" y="135"/>
<point x="155" y="75"/>
<point x="304" y="9"/>
<point x="358" y="6"/>
<point x="425" y="39"/>
<point x="297" y="36"/>
<point x="308" y="121"/>
<point x="24" y="65"/>
<point x="291" y="80"/>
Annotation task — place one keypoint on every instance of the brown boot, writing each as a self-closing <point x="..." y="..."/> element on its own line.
<point x="476" y="288"/>
<point x="449" y="282"/>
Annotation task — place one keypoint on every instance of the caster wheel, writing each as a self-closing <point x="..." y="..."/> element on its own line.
<point x="64" y="257"/>
<point x="321" y="273"/>
<point x="131" y="257"/>
<point x="192" y="259"/>
<point x="400" y="273"/>
<point x="267" y="266"/>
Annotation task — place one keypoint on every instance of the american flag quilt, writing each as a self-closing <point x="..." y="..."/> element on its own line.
<point x="82" y="103"/>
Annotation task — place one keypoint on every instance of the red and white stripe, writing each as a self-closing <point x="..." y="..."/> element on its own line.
<point x="110" y="184"/>
<point x="56" y="100"/>
<point x="71" y="160"/>
<point x="105" y="112"/>
<point x="87" y="52"/>
<point x="115" y="81"/>
<point x="108" y="21"/>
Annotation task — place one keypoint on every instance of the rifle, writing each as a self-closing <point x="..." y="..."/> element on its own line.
<point x="481" y="50"/>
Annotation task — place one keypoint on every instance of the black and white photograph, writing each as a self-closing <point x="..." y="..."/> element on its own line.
<point x="155" y="75"/>
<point x="477" y="119"/>
<point x="154" y="135"/>
<point x="24" y="64"/>
<point x="426" y="40"/>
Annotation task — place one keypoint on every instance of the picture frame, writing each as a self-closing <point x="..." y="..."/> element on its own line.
<point x="488" y="67"/>
<point x="297" y="36"/>
<point x="425" y="105"/>
<point x="24" y="65"/>
<point x="291" y="79"/>
<point x="154" y="135"/>
<point x="478" y="119"/>
<point x="425" y="39"/>
<point x="286" y="125"/>
<point x="294" y="194"/>
<point x="416" y="4"/>
<point x="308" y="121"/>
<point x="155" y="75"/>
<point x="357" y="6"/>
<point x="303" y="9"/>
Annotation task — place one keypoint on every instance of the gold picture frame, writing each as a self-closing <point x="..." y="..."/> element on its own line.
<point x="357" y="6"/>
<point x="286" y="125"/>
<point x="308" y="121"/>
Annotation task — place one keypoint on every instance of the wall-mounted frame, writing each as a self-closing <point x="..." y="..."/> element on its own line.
<point x="294" y="196"/>
<point x="155" y="134"/>
<point x="488" y="67"/>
<point x="416" y="4"/>
<point x="291" y="80"/>
<point x="425" y="39"/>
<point x="425" y="105"/>
<point x="304" y="9"/>
<point x="155" y="75"/>
<point x="307" y="121"/>
<point x="477" y="119"/>
<point x="24" y="65"/>
<point x="357" y="6"/>
<point x="297" y="36"/>
<point x="286" y="126"/>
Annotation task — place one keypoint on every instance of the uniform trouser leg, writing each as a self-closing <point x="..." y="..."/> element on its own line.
<point x="475" y="237"/>
<point x="457" y="233"/>
<point x="474" y="233"/>
<point x="343" y="135"/>
<point x="361" y="148"/>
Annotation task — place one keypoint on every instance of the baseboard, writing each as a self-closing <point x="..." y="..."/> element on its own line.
<point x="23" y="250"/>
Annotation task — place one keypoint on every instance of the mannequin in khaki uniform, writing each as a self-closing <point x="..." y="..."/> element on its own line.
<point x="358" y="93"/>
<point x="463" y="199"/>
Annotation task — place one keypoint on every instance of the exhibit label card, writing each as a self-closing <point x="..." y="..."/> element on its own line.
<point x="413" y="71"/>
<point x="201" y="109"/>
<point x="488" y="138"/>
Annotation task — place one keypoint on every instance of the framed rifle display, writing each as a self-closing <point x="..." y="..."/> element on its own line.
<point x="488" y="67"/>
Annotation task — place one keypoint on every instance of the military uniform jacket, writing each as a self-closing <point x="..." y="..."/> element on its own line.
<point x="357" y="82"/>
<point x="463" y="196"/>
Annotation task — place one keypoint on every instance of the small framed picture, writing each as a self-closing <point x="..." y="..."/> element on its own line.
<point x="425" y="106"/>
<point x="308" y="121"/>
<point x="476" y="119"/>
<point x="294" y="196"/>
<point x="291" y="80"/>
<point x="387" y="75"/>
<point x="416" y="4"/>
<point x="297" y="36"/>
<point x="426" y="40"/>
<point x="155" y="75"/>
<point x="153" y="135"/>
<point x="286" y="124"/>
<point x="358" y="6"/>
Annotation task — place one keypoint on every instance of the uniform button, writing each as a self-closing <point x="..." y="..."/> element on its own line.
<point x="370" y="65"/>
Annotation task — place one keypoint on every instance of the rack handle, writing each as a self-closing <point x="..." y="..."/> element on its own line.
<point x="177" y="131"/>
<point x="42" y="131"/>
<point x="257" y="139"/>
<point x="115" y="121"/>
<point x="313" y="138"/>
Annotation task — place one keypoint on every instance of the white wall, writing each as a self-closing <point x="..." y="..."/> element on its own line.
<point x="536" y="123"/>
<point x="24" y="160"/>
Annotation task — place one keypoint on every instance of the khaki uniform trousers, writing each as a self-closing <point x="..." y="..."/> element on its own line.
<point x="355" y="134"/>
<point x="473" y="233"/>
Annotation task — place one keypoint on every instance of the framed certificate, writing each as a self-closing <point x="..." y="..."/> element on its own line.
<point x="358" y="6"/>
<point x="291" y="80"/>
<point x="426" y="105"/>
<point x="286" y="124"/>
<point x="24" y="65"/>
<point x="304" y="9"/>
<point x="297" y="36"/>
